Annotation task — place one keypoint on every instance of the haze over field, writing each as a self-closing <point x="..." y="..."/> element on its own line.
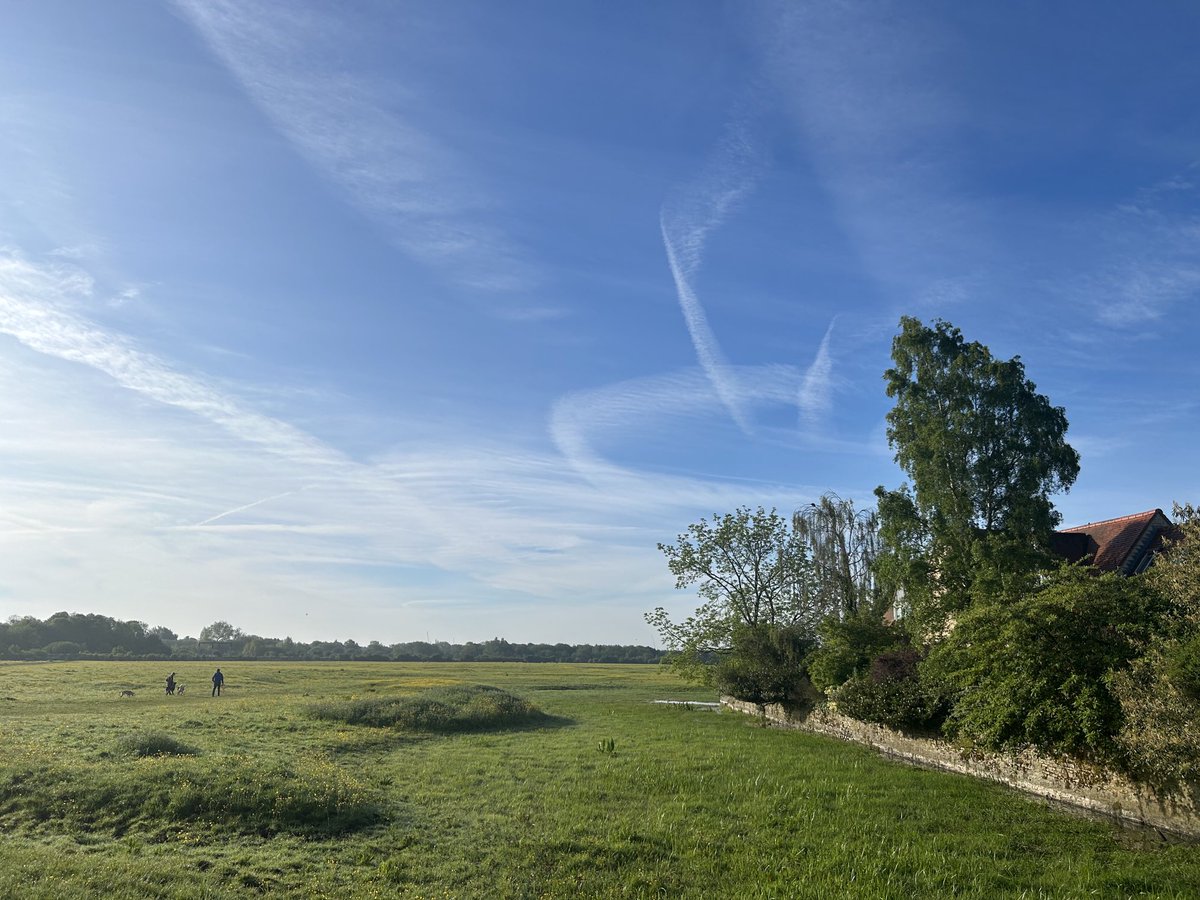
<point x="400" y="321"/>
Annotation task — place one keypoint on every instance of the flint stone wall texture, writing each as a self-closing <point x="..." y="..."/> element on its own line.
<point x="1066" y="781"/>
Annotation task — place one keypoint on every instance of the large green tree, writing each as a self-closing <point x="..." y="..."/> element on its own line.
<point x="984" y="452"/>
<point x="753" y="573"/>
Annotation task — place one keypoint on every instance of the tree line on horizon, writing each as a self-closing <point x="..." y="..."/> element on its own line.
<point x="65" y="636"/>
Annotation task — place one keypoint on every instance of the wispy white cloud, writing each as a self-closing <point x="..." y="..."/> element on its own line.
<point x="35" y="308"/>
<point x="890" y="137"/>
<point x="152" y="483"/>
<point x="1152" y="254"/>
<point x="367" y="138"/>
<point x="582" y="421"/>
<point x="1141" y="290"/>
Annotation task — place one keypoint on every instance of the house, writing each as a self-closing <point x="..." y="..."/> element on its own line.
<point x="1126" y="545"/>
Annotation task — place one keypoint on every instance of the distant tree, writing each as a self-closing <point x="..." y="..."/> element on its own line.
<point x="163" y="633"/>
<point x="984" y="451"/>
<point x="63" y="649"/>
<point x="24" y="633"/>
<point x="1177" y="572"/>
<point x="221" y="631"/>
<point x="752" y="570"/>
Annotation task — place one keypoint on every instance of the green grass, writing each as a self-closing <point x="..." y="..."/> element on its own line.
<point x="608" y="795"/>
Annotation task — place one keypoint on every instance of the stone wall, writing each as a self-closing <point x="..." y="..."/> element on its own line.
<point x="1066" y="781"/>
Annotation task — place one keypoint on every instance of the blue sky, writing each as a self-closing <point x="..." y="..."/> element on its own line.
<point x="403" y="321"/>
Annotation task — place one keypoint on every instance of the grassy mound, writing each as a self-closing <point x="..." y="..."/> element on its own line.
<point x="153" y="743"/>
<point x="442" y="710"/>
<point x="307" y="796"/>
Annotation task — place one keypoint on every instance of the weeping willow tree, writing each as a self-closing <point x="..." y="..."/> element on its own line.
<point x="843" y="545"/>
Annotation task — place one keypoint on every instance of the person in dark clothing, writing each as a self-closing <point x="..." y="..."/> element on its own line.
<point x="218" y="680"/>
<point x="171" y="683"/>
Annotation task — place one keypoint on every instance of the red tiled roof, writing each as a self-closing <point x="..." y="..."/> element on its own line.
<point x="1111" y="541"/>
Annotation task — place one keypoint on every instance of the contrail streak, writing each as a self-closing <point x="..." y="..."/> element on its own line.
<point x="686" y="225"/>
<point x="708" y="350"/>
<point x="238" y="509"/>
<point x="813" y="398"/>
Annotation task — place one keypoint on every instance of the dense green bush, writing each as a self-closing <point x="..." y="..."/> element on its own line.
<point x="1159" y="741"/>
<point x="468" y="707"/>
<point x="892" y="693"/>
<point x="848" y="646"/>
<point x="1176" y="573"/>
<point x="1183" y="667"/>
<point x="767" y="665"/>
<point x="1160" y="693"/>
<point x="1036" y="672"/>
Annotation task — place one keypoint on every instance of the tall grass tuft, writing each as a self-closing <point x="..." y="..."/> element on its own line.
<point x="153" y="743"/>
<point x="441" y="710"/>
<point x="307" y="796"/>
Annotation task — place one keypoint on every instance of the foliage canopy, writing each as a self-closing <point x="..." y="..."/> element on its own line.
<point x="752" y="570"/>
<point x="1036" y="671"/>
<point x="984" y="451"/>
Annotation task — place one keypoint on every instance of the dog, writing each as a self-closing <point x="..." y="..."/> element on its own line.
<point x="126" y="693"/>
<point x="179" y="689"/>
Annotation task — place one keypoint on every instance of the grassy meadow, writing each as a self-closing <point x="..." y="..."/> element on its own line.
<point x="353" y="780"/>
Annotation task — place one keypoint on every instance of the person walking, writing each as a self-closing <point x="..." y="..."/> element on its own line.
<point x="218" y="680"/>
<point x="171" y="683"/>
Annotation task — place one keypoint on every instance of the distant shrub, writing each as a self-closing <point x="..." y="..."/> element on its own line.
<point x="63" y="649"/>
<point x="847" y="648"/>
<point x="892" y="693"/>
<point x="895" y="665"/>
<point x="473" y="707"/>
<point x="1159" y="694"/>
<point x="153" y="743"/>
<point x="767" y="665"/>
